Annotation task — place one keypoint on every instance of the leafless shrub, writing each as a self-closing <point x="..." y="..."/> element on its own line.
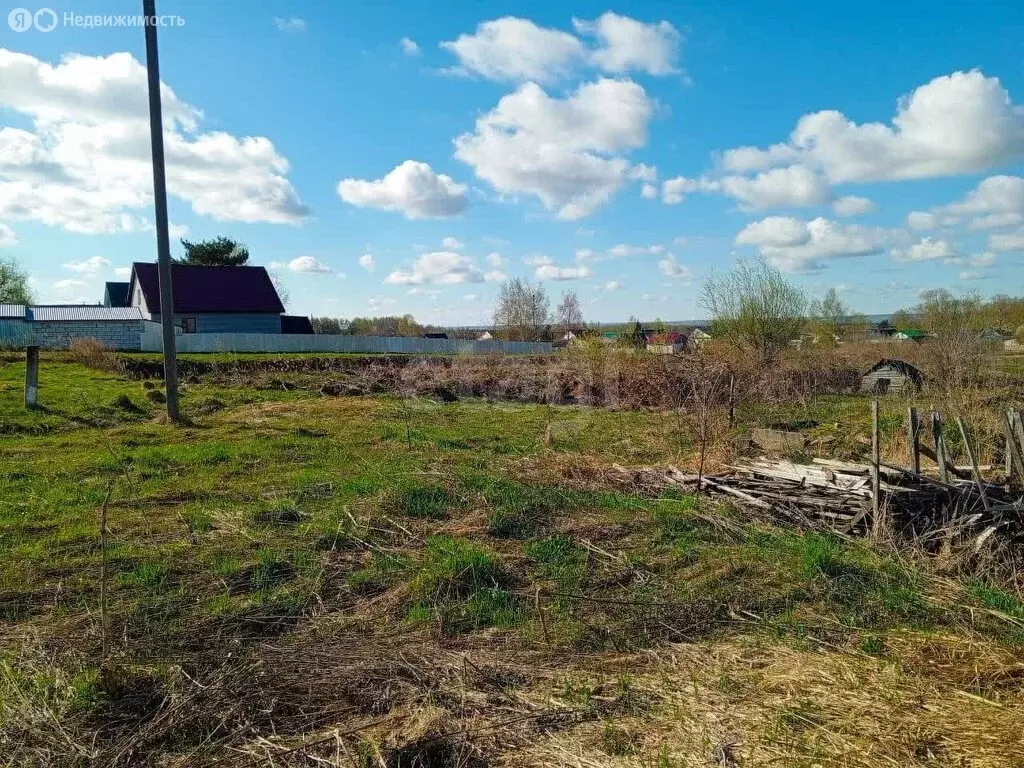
<point x="94" y="354"/>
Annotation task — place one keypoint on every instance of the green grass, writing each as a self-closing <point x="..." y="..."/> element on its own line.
<point x="271" y="507"/>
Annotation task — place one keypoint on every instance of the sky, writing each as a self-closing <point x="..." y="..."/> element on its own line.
<point x="404" y="157"/>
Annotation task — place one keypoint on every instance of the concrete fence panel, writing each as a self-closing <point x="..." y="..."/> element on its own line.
<point x="261" y="342"/>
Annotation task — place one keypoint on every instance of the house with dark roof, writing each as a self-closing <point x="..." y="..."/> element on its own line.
<point x="891" y="377"/>
<point x="210" y="299"/>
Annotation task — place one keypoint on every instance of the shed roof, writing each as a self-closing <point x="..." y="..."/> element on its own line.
<point x="907" y="369"/>
<point x="58" y="313"/>
<point x="12" y="311"/>
<point x="211" y="289"/>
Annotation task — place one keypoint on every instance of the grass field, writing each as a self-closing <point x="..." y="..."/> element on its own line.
<point x="367" y="581"/>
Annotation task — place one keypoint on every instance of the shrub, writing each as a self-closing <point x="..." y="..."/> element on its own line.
<point x="94" y="354"/>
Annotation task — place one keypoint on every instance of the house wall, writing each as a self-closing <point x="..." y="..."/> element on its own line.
<point x="116" y="334"/>
<point x="898" y="383"/>
<point x="224" y="322"/>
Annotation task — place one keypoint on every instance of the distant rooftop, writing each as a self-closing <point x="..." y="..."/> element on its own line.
<point x="211" y="289"/>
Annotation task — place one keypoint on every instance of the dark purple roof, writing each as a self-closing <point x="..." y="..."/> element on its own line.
<point x="210" y="289"/>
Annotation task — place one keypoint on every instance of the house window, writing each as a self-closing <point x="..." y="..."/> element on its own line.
<point x="188" y="325"/>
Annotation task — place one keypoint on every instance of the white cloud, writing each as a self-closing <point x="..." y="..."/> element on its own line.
<point x="674" y="191"/>
<point x="291" y="24"/>
<point x="970" y="274"/>
<point x="996" y="202"/>
<point x="409" y="46"/>
<point x="412" y="188"/>
<point x="620" y="250"/>
<point x="123" y="272"/>
<point x="495" y="276"/>
<point x="986" y="259"/>
<point x="308" y="264"/>
<point x="927" y="249"/>
<point x="495" y="259"/>
<point x="821" y="241"/>
<point x="566" y="152"/>
<point x="649" y="191"/>
<point x="366" y="262"/>
<point x="68" y="285"/>
<point x="85" y="165"/>
<point x="537" y="260"/>
<point x="8" y="237"/>
<point x="612" y="285"/>
<point x="90" y="266"/>
<point x="452" y="243"/>
<point x="922" y="220"/>
<point x="670" y="267"/>
<point x="959" y="123"/>
<point x="587" y="254"/>
<point x="643" y="172"/>
<point x="852" y="205"/>
<point x="625" y="44"/>
<point x="775" y="232"/>
<point x="778" y="188"/>
<point x="553" y="272"/>
<point x="516" y="49"/>
<point x="442" y="267"/>
<point x="1013" y="241"/>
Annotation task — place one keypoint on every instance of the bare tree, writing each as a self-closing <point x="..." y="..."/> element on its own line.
<point x="828" y="318"/>
<point x="569" y="314"/>
<point x="521" y="313"/>
<point x="755" y="308"/>
<point x="957" y="352"/>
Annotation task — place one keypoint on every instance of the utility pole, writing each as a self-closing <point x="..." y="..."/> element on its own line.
<point x="163" y="241"/>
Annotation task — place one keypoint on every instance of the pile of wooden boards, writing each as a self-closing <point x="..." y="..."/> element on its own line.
<point x="838" y="495"/>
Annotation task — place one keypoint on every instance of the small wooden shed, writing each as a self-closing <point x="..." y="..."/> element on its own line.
<point x="891" y="377"/>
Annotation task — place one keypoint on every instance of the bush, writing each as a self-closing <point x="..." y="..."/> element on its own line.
<point x="94" y="354"/>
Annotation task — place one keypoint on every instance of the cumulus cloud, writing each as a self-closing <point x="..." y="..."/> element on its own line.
<point x="612" y="285"/>
<point x="554" y="272"/>
<point x="452" y="243"/>
<point x="411" y="188"/>
<point x="789" y="187"/>
<point x="495" y="276"/>
<point x="123" y="272"/>
<point x="308" y="264"/>
<point x="90" y="266"/>
<point x="964" y="122"/>
<point x="852" y="205"/>
<point x="495" y="259"/>
<point x="789" y="247"/>
<point x="649" y="191"/>
<point x="442" y="267"/>
<point x="775" y="232"/>
<point x="566" y="152"/>
<point x="518" y="50"/>
<point x="625" y="44"/>
<point x="409" y="46"/>
<point x="8" y="237"/>
<point x="68" y="285"/>
<point x="366" y="262"/>
<point x="927" y="249"/>
<point x="1012" y="241"/>
<point x="670" y="267"/>
<point x="511" y="48"/>
<point x="85" y="164"/>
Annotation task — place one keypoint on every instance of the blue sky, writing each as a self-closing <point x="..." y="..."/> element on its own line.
<point x="621" y="152"/>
